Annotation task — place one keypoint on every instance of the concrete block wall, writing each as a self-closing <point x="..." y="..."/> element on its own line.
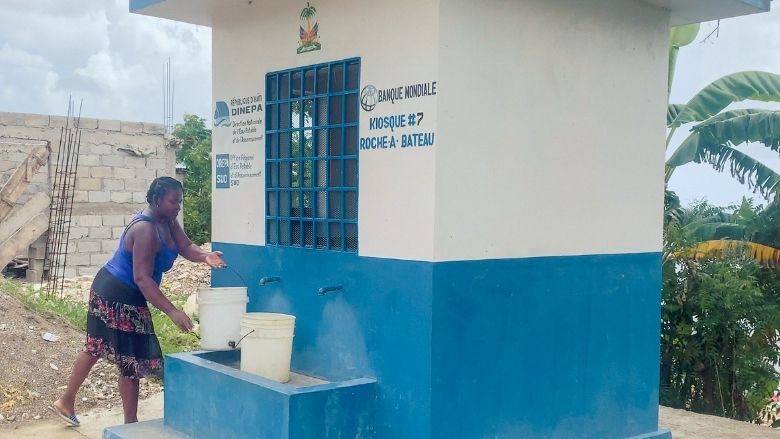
<point x="117" y="162"/>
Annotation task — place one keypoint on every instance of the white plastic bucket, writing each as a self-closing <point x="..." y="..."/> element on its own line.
<point x="220" y="311"/>
<point x="266" y="348"/>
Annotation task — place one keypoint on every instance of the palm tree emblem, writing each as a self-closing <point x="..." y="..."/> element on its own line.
<point x="308" y="36"/>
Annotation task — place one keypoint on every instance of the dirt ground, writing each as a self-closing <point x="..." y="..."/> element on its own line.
<point x="688" y="425"/>
<point x="33" y="371"/>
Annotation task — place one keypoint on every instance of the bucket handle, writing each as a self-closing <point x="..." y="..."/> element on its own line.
<point x="237" y="274"/>
<point x="234" y="344"/>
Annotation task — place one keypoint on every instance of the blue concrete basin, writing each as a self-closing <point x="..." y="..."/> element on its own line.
<point x="206" y="395"/>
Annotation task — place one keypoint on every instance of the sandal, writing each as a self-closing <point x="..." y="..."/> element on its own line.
<point x="71" y="420"/>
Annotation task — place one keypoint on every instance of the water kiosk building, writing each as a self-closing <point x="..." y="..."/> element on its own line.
<point x="460" y="201"/>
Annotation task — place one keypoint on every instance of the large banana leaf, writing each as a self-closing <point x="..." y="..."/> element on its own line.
<point x="711" y="142"/>
<point x="759" y="86"/>
<point x="763" y="254"/>
<point x="705" y="230"/>
<point x="739" y="126"/>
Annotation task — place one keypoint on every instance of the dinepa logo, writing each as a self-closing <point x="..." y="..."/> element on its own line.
<point x="221" y="115"/>
<point x="369" y="97"/>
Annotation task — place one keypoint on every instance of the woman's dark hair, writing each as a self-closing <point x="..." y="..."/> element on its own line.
<point x="161" y="186"/>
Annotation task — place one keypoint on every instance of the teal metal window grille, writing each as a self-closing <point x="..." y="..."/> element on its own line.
<point x="311" y="150"/>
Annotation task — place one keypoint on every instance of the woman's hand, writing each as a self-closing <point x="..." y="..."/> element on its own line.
<point x="214" y="259"/>
<point x="181" y="320"/>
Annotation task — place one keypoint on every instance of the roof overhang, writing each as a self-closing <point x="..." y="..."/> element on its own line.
<point x="682" y="11"/>
<point x="699" y="11"/>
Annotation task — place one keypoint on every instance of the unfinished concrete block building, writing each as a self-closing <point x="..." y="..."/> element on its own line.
<point x="116" y="163"/>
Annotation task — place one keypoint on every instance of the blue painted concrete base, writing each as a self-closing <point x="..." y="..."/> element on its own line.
<point x="155" y="429"/>
<point x="208" y="396"/>
<point x="660" y="434"/>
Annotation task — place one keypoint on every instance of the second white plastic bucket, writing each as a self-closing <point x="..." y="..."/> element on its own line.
<point x="266" y="348"/>
<point x="220" y="311"/>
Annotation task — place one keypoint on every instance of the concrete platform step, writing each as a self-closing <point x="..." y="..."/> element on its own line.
<point x="143" y="430"/>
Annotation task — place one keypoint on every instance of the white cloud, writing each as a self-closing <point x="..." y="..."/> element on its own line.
<point x="98" y="51"/>
<point x="22" y="59"/>
<point x="111" y="73"/>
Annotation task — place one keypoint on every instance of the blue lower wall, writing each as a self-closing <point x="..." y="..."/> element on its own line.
<point x="538" y="347"/>
<point x="379" y="326"/>
<point x="558" y="347"/>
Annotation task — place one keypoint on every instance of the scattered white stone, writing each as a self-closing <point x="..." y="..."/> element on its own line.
<point x="62" y="387"/>
<point x="3" y="327"/>
<point x="2" y="418"/>
<point x="34" y="351"/>
<point x="48" y="336"/>
<point x="54" y="366"/>
<point x="11" y="418"/>
<point x="84" y="399"/>
<point x="31" y="327"/>
<point x="37" y="417"/>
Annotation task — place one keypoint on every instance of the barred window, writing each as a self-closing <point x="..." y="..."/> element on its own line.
<point x="311" y="150"/>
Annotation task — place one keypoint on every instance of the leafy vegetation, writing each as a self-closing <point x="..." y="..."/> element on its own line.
<point x="195" y="154"/>
<point x="720" y="318"/>
<point x="720" y="325"/>
<point x="74" y="312"/>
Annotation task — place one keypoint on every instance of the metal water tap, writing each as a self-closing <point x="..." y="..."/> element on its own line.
<point x="267" y="280"/>
<point x="325" y="290"/>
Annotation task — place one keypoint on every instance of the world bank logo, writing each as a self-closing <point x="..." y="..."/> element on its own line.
<point x="368" y="97"/>
<point x="221" y="115"/>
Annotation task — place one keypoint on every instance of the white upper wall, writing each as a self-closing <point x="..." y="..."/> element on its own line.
<point x="547" y="121"/>
<point x="397" y="43"/>
<point x="551" y="129"/>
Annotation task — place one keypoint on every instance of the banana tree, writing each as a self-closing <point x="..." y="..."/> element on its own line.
<point x="705" y="231"/>
<point x="715" y="133"/>
<point x="762" y="254"/>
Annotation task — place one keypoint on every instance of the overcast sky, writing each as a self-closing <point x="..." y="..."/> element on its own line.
<point x="97" y="51"/>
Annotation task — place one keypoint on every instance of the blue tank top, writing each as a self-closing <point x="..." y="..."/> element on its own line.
<point x="121" y="263"/>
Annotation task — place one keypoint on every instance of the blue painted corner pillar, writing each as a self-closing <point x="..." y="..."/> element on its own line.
<point x="554" y="347"/>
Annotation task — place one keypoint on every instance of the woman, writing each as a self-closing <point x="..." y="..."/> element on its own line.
<point x="119" y="326"/>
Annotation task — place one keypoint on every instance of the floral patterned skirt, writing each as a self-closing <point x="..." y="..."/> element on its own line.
<point x="119" y="328"/>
